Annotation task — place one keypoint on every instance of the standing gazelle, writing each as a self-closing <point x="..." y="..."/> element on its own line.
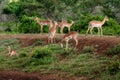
<point x="67" y="37"/>
<point x="97" y="24"/>
<point x="42" y="23"/>
<point x="63" y="24"/>
<point x="52" y="33"/>
<point x="11" y="52"/>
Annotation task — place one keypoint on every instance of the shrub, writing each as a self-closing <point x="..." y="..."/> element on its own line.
<point x="111" y="27"/>
<point x="40" y="53"/>
<point x="88" y="49"/>
<point x="13" y="8"/>
<point x="22" y="54"/>
<point x="40" y="56"/>
<point x="114" y="51"/>
<point x="114" y="67"/>
<point x="38" y="42"/>
<point x="28" y="25"/>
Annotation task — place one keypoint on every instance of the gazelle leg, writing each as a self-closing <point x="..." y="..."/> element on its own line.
<point x="51" y="40"/>
<point x="48" y="40"/>
<point x="54" y="40"/>
<point x="98" y="31"/>
<point x="61" y="30"/>
<point x="66" y="44"/>
<point x="91" y="30"/>
<point x="76" y="42"/>
<point x="87" y="30"/>
<point x="41" y="29"/>
<point x="68" y="29"/>
<point x="61" y="45"/>
<point x="101" y="30"/>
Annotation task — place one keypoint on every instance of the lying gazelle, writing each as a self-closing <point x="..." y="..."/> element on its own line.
<point x="63" y="24"/>
<point x="11" y="52"/>
<point x="67" y="37"/>
<point x="52" y="33"/>
<point x="97" y="24"/>
<point x="42" y="23"/>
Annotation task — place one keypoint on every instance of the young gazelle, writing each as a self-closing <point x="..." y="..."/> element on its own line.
<point x="52" y="32"/>
<point x="11" y="52"/>
<point x="97" y="24"/>
<point x="67" y="37"/>
<point x="63" y="24"/>
<point x="42" y="23"/>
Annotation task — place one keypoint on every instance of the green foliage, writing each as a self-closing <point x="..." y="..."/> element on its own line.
<point x="88" y="49"/>
<point x="114" y="51"/>
<point x="10" y="27"/>
<point x="13" y="8"/>
<point x="40" y="56"/>
<point x="41" y="52"/>
<point x="111" y="27"/>
<point x="38" y="42"/>
<point x="28" y="25"/>
<point x="114" y="67"/>
<point x="77" y="10"/>
<point x="22" y="54"/>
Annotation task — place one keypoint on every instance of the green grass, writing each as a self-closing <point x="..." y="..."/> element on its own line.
<point x="53" y="58"/>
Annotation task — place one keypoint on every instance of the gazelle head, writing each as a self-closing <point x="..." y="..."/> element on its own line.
<point x="72" y="22"/>
<point x="9" y="48"/>
<point x="36" y="19"/>
<point x="106" y="18"/>
<point x="60" y="44"/>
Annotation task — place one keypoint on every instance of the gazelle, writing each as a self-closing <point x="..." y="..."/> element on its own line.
<point x="42" y="23"/>
<point x="63" y="24"/>
<point x="97" y="24"/>
<point x="67" y="37"/>
<point x="11" y="52"/>
<point x="52" y="32"/>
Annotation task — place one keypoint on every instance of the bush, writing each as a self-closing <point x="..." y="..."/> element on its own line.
<point x="41" y="53"/>
<point x="40" y="56"/>
<point x="23" y="54"/>
<point x="114" y="51"/>
<point x="28" y="25"/>
<point x="114" y="67"/>
<point x="13" y="8"/>
<point x="111" y="27"/>
<point x="38" y="42"/>
<point x="88" y="49"/>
